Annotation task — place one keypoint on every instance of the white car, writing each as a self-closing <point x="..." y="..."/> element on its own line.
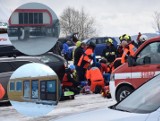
<point x="142" y="105"/>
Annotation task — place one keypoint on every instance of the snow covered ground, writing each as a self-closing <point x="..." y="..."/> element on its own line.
<point x="32" y="109"/>
<point x="82" y="103"/>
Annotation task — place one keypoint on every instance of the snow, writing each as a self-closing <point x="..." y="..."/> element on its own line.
<point x="81" y="103"/>
<point x="32" y="70"/>
<point x="32" y="109"/>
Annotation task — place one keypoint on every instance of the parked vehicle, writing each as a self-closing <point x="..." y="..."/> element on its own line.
<point x="3" y="27"/>
<point x="100" y="43"/>
<point x="35" y="31"/>
<point x="142" y="105"/>
<point x="140" y="68"/>
<point x="9" y="50"/>
<point x="9" y="65"/>
<point x="14" y="32"/>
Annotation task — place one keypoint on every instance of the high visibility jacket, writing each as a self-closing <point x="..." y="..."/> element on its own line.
<point x="96" y="77"/>
<point x="86" y="58"/>
<point x="128" y="51"/>
<point x="132" y="49"/>
<point x="2" y="91"/>
<point x="125" y="55"/>
<point x="65" y="81"/>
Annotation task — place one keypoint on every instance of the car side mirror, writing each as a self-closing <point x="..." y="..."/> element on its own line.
<point x="147" y="60"/>
<point x="131" y="61"/>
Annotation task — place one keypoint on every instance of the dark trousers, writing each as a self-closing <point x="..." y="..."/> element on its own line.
<point x="81" y="73"/>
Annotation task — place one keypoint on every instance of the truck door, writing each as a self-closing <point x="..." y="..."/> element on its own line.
<point x="147" y="64"/>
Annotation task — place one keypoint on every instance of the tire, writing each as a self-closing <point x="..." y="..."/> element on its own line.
<point x="123" y="92"/>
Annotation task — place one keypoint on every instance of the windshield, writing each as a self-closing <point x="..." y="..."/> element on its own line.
<point x="85" y="41"/>
<point x="145" y="99"/>
<point x="47" y="58"/>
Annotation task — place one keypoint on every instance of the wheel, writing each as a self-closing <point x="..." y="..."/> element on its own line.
<point x="123" y="92"/>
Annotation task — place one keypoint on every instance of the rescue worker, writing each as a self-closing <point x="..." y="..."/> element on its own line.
<point x="79" y="51"/>
<point x="105" y="70"/>
<point x="78" y="43"/>
<point x="68" y="80"/>
<point x="129" y="40"/>
<point x="126" y="51"/>
<point x="66" y="51"/>
<point x="95" y="78"/>
<point x="142" y="39"/>
<point x="110" y="51"/>
<point x="85" y="61"/>
<point x="2" y="91"/>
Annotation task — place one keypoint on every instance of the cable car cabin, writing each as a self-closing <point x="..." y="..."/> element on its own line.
<point x="44" y="89"/>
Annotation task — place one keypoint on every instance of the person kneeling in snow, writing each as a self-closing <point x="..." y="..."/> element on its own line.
<point x="95" y="76"/>
<point x="68" y="81"/>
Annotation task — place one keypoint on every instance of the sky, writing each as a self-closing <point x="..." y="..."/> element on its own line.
<point x="113" y="17"/>
<point x="33" y="70"/>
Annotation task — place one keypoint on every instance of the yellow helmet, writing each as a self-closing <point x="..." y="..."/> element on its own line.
<point x="78" y="43"/>
<point x="126" y="37"/>
<point x="121" y="38"/>
<point x="109" y="40"/>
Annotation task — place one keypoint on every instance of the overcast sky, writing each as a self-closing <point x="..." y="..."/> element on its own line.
<point x="113" y="17"/>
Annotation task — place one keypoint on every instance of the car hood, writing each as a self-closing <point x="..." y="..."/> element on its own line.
<point x="105" y="114"/>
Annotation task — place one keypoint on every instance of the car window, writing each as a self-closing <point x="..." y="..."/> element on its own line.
<point x="150" y="54"/>
<point x="5" y="67"/>
<point x="99" y="41"/>
<point x="145" y="99"/>
<point x="49" y="58"/>
<point x="92" y="40"/>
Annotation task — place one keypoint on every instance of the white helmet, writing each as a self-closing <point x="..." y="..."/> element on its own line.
<point x="143" y="38"/>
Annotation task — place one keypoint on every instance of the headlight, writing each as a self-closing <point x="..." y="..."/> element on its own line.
<point x="112" y="77"/>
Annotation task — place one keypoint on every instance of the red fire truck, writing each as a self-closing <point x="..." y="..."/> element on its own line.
<point x="144" y="65"/>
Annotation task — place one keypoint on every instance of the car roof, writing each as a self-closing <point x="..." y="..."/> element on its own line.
<point x="33" y="58"/>
<point x="18" y="58"/>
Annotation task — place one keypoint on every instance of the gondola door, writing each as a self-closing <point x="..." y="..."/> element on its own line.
<point x="26" y="89"/>
<point x="48" y="90"/>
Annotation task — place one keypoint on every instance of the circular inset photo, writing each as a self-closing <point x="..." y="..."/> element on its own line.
<point x="33" y="89"/>
<point x="33" y="28"/>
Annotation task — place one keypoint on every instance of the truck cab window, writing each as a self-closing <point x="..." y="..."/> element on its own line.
<point x="149" y="55"/>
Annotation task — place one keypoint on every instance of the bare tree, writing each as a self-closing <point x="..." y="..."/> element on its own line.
<point x="72" y="21"/>
<point x="156" y="23"/>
